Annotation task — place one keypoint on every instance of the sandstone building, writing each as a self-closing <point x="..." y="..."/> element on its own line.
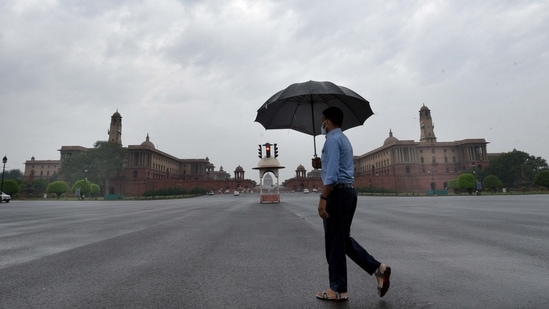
<point x="411" y="167"/>
<point x="407" y="166"/>
<point x="148" y="168"/>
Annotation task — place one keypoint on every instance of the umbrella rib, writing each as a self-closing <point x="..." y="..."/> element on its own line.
<point x="313" y="118"/>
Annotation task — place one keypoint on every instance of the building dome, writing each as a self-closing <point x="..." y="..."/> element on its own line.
<point x="268" y="162"/>
<point x="239" y="169"/>
<point x="391" y="139"/>
<point x="116" y="114"/>
<point x="300" y="168"/>
<point x="147" y="142"/>
<point x="424" y="108"/>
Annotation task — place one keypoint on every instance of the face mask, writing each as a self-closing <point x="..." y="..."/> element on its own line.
<point x="323" y="128"/>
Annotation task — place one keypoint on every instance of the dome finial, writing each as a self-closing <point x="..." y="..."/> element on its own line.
<point x="390" y="139"/>
<point x="147" y="142"/>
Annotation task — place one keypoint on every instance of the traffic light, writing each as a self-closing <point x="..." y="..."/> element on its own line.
<point x="260" y="152"/>
<point x="268" y="150"/>
<point x="276" y="150"/>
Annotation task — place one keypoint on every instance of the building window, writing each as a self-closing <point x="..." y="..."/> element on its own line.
<point x="434" y="159"/>
<point x="422" y="160"/>
<point x="407" y="169"/>
<point x="445" y="159"/>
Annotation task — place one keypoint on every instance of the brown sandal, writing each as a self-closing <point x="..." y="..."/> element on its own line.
<point x="337" y="296"/>
<point x="382" y="290"/>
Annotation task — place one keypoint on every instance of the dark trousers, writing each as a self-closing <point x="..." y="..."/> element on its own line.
<point x="341" y="206"/>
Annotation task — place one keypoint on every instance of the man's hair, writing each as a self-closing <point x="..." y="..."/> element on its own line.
<point x="334" y="114"/>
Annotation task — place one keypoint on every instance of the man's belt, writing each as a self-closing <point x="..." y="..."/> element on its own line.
<point x="344" y="185"/>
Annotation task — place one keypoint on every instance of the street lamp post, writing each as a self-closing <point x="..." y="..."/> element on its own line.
<point x="432" y="185"/>
<point x="370" y="177"/>
<point x="4" y="160"/>
<point x="474" y="173"/>
<point x="475" y="176"/>
<point x="382" y="188"/>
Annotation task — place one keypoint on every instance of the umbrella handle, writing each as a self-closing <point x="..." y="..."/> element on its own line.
<point x="314" y="143"/>
<point x="316" y="163"/>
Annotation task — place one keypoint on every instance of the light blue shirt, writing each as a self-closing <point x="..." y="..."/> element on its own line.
<point x="337" y="159"/>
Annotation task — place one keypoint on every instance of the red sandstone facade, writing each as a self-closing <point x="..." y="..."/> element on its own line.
<point x="149" y="169"/>
<point x="407" y="166"/>
<point x="402" y="166"/>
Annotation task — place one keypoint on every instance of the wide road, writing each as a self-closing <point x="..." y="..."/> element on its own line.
<point x="232" y="252"/>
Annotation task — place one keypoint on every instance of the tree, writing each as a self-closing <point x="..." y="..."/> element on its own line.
<point x="542" y="179"/>
<point x="452" y="185"/>
<point x="75" y="167"/>
<point x="108" y="162"/>
<point x="492" y="183"/>
<point x="10" y="187"/>
<point x="466" y="182"/>
<point x="58" y="187"/>
<point x="84" y="186"/>
<point x="95" y="190"/>
<point x="99" y="164"/>
<point x="14" y="174"/>
<point x="34" y="188"/>
<point x="39" y="186"/>
<point x="515" y="167"/>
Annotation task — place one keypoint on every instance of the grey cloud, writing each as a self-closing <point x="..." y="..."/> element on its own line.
<point x="173" y="68"/>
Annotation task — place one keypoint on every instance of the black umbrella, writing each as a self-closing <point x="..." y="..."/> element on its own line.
<point x="299" y="107"/>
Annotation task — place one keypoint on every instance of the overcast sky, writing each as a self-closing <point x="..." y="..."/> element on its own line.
<point x="192" y="74"/>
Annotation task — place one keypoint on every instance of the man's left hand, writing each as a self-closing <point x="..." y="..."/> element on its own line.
<point x="322" y="209"/>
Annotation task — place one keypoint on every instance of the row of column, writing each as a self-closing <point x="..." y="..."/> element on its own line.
<point x="404" y="154"/>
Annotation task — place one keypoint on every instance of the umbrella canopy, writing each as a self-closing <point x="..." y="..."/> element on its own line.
<point x="299" y="107"/>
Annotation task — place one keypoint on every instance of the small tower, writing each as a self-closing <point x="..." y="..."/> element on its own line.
<point x="426" y="126"/>
<point x="300" y="172"/>
<point x="239" y="173"/>
<point x="115" y="131"/>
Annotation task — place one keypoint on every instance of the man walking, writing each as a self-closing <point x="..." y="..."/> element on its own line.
<point x="336" y="207"/>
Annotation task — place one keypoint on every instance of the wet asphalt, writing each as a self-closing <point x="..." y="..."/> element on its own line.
<point x="229" y="251"/>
